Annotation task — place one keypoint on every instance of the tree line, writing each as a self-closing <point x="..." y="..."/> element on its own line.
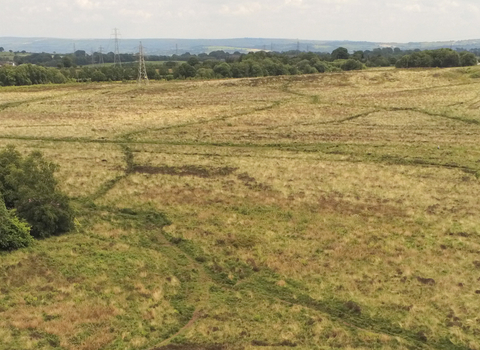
<point x="378" y="57"/>
<point x="437" y="58"/>
<point x="219" y="64"/>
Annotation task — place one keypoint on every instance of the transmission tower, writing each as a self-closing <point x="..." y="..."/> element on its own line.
<point x="142" y="70"/>
<point x="93" y="56"/>
<point x="116" y="54"/>
<point x="100" y="61"/>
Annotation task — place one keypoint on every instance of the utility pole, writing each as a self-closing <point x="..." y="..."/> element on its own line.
<point x="176" y="49"/>
<point x="142" y="69"/>
<point x="93" y="56"/>
<point x="116" y="54"/>
<point x="74" y="49"/>
<point x="298" y="46"/>
<point x="100" y="61"/>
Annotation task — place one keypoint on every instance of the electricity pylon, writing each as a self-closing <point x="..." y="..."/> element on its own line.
<point x="142" y="69"/>
<point x="116" y="54"/>
<point x="100" y="61"/>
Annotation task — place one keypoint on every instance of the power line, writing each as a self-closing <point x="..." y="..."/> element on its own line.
<point x="142" y="69"/>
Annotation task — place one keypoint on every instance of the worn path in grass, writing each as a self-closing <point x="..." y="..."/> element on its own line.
<point x="306" y="210"/>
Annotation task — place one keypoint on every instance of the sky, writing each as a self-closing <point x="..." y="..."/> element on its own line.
<point x="356" y="20"/>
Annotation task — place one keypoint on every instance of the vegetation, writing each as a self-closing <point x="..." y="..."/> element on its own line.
<point x="14" y="234"/>
<point x="437" y="58"/>
<point x="327" y="211"/>
<point x="219" y="64"/>
<point x="28" y="186"/>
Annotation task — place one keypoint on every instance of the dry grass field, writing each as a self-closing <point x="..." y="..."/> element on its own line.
<point x="317" y="212"/>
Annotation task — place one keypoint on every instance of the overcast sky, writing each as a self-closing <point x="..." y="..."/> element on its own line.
<point x="369" y="20"/>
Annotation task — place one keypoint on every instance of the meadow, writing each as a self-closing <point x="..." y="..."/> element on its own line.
<point x="338" y="210"/>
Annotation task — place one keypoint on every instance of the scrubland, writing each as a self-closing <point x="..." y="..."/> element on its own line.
<point x="326" y="211"/>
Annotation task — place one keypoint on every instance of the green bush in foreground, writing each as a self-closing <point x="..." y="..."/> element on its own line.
<point x="14" y="234"/>
<point x="29" y="186"/>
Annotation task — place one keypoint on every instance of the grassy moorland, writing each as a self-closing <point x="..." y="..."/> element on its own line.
<point x="317" y="212"/>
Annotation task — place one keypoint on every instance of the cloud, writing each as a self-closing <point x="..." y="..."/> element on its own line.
<point x="87" y="4"/>
<point x="246" y="8"/>
<point x="141" y="14"/>
<point x="372" y="20"/>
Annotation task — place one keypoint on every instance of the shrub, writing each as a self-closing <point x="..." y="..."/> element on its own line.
<point x="467" y="59"/>
<point x="29" y="186"/>
<point x="14" y="234"/>
<point x="351" y="64"/>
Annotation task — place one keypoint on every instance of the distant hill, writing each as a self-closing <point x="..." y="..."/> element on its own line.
<point x="171" y="46"/>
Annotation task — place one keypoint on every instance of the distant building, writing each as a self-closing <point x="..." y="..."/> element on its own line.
<point x="8" y="63"/>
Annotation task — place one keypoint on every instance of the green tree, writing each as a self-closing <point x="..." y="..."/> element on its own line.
<point x="255" y="70"/>
<point x="184" y="71"/>
<point x="68" y="61"/>
<point x="98" y="75"/>
<point x="29" y="186"/>
<point x="340" y="53"/>
<point x="7" y="76"/>
<point x="351" y="64"/>
<point x="205" y="73"/>
<point x="223" y="70"/>
<point x="304" y="67"/>
<point x="14" y="234"/>
<point x="468" y="59"/>
<point x="193" y="61"/>
<point x="403" y="62"/>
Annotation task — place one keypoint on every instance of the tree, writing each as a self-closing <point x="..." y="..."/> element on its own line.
<point x="223" y="70"/>
<point x="305" y="68"/>
<point x="403" y="62"/>
<point x="205" y="73"/>
<point x="67" y="61"/>
<point x="352" y="64"/>
<point x="340" y="54"/>
<point x="420" y="59"/>
<point x="467" y="59"/>
<point x="2" y="49"/>
<point x="98" y="75"/>
<point x="29" y="186"/>
<point x="14" y="234"/>
<point x="193" y="61"/>
<point x="445" y="58"/>
<point x="184" y="71"/>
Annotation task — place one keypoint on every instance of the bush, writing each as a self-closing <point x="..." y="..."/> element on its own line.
<point x="29" y="186"/>
<point x="352" y="64"/>
<point x="467" y="59"/>
<point x="14" y="234"/>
